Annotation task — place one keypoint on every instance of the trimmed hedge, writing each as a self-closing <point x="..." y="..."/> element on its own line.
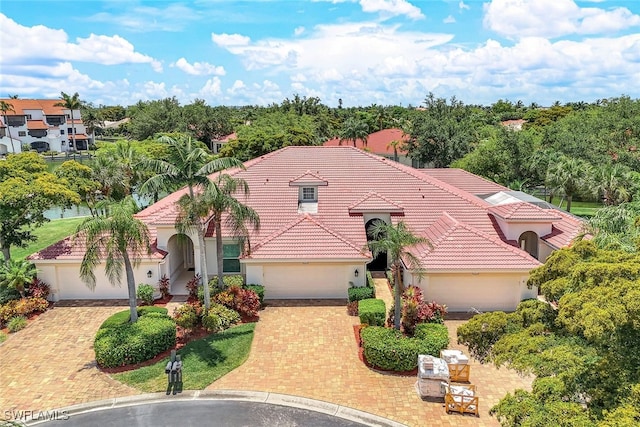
<point x="219" y="318"/>
<point x="434" y="336"/>
<point x="370" y="282"/>
<point x="122" y="317"/>
<point x="371" y="311"/>
<point x="120" y="344"/>
<point x="389" y="349"/>
<point x="232" y="280"/>
<point x="358" y="293"/>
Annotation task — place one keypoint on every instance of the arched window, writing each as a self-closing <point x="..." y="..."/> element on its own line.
<point x="528" y="241"/>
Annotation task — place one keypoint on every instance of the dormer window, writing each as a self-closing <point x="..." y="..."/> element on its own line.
<point x="309" y="194"/>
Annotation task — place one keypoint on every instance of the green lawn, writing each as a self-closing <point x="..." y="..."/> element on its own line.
<point x="48" y="234"/>
<point x="203" y="361"/>
<point x="585" y="209"/>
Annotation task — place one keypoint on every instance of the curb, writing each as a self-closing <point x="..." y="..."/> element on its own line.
<point x="232" y="395"/>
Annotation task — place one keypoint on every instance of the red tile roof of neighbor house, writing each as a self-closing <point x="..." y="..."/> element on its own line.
<point x="68" y="249"/>
<point x="524" y="211"/>
<point x="377" y="142"/>
<point x="36" y="125"/>
<point x="361" y="182"/>
<point x="22" y="106"/>
<point x="464" y="180"/>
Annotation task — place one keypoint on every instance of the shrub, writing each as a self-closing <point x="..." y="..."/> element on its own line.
<point x="8" y="294"/>
<point x="370" y="282"/>
<point x="163" y="286"/>
<point x="22" y="307"/>
<point x="244" y="301"/>
<point x="3" y="337"/>
<point x="219" y="318"/>
<point x="434" y="336"/>
<point x="17" y="323"/>
<point x="371" y="311"/>
<point x="145" y="293"/>
<point x="481" y="332"/>
<point x="229" y="281"/>
<point x="130" y="343"/>
<point x="358" y="293"/>
<point x="258" y="289"/>
<point x="415" y="310"/>
<point x="38" y="289"/>
<point x="187" y="316"/>
<point x="192" y="286"/>
<point x="390" y="277"/>
<point x="389" y="349"/>
<point x="124" y="316"/>
<point x="352" y="308"/>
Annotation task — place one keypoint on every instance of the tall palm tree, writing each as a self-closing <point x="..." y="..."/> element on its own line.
<point x="4" y="107"/>
<point x="613" y="184"/>
<point x="354" y="129"/>
<point x="122" y="240"/>
<point x="395" y="241"/>
<point x="220" y="195"/>
<point x="189" y="164"/>
<point x="71" y="103"/>
<point x="395" y="144"/>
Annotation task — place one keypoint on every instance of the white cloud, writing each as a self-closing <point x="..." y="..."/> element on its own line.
<point x="174" y="17"/>
<point x="298" y="31"/>
<point x="449" y="20"/>
<point x="199" y="68"/>
<point x="237" y="86"/>
<point x="230" y="40"/>
<point x="554" y="18"/>
<point x="391" y="8"/>
<point x="211" y="89"/>
<point x="462" y="6"/>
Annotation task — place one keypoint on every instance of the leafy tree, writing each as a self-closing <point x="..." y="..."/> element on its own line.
<point x="394" y="240"/>
<point x="443" y="132"/>
<point x="16" y="274"/>
<point x="80" y="179"/>
<point x="585" y="352"/>
<point x="71" y="103"/>
<point x="152" y="117"/>
<point x="6" y="107"/>
<point x="121" y="240"/>
<point x="613" y="184"/>
<point x="616" y="227"/>
<point x="27" y="190"/>
<point x="207" y="123"/>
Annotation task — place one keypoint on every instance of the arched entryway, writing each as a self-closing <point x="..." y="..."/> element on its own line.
<point x="379" y="263"/>
<point x="181" y="262"/>
<point x="528" y="241"/>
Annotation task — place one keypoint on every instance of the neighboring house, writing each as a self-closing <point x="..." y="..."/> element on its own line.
<point x="515" y="125"/>
<point x="43" y="126"/>
<point x="316" y="205"/>
<point x="381" y="143"/>
<point x="217" y="144"/>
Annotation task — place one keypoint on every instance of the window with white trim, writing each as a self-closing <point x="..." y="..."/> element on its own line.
<point x="309" y="194"/>
<point x="230" y="258"/>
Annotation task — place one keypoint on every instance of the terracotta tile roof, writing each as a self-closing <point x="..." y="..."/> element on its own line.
<point x="37" y="125"/>
<point x="359" y="180"/>
<point x="21" y="106"/>
<point x="377" y="142"/>
<point x="227" y="138"/>
<point x="564" y="232"/>
<point x="524" y="211"/>
<point x="67" y="249"/>
<point x="374" y="202"/>
<point x="308" y="178"/>
<point x="457" y="246"/>
<point x="307" y="238"/>
<point x="464" y="180"/>
<point x="79" y="136"/>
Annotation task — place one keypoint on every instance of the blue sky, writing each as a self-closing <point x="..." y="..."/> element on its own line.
<point x="387" y="52"/>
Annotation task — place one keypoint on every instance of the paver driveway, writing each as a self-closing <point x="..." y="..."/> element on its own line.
<point x="51" y="363"/>
<point x="311" y="351"/>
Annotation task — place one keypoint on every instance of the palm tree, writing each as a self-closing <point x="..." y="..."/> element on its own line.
<point x="395" y="144"/>
<point x="122" y="240"/>
<point x="71" y="103"/>
<point x="570" y="175"/>
<point x="4" y="107"/>
<point x="354" y="129"/>
<point x="395" y="240"/>
<point x="613" y="184"/>
<point x="188" y="164"/>
<point x="15" y="274"/>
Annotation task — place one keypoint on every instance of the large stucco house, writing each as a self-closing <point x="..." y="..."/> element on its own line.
<point x="42" y="125"/>
<point x="315" y="205"/>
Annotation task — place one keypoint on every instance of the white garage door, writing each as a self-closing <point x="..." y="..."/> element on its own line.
<point x="305" y="281"/>
<point x="71" y="287"/>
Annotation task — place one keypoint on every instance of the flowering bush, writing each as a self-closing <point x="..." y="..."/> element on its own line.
<point x="163" y="286"/>
<point x="188" y="316"/>
<point x="416" y="310"/>
<point x="22" y="307"/>
<point x="192" y="287"/>
<point x="38" y="289"/>
<point x="246" y="302"/>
